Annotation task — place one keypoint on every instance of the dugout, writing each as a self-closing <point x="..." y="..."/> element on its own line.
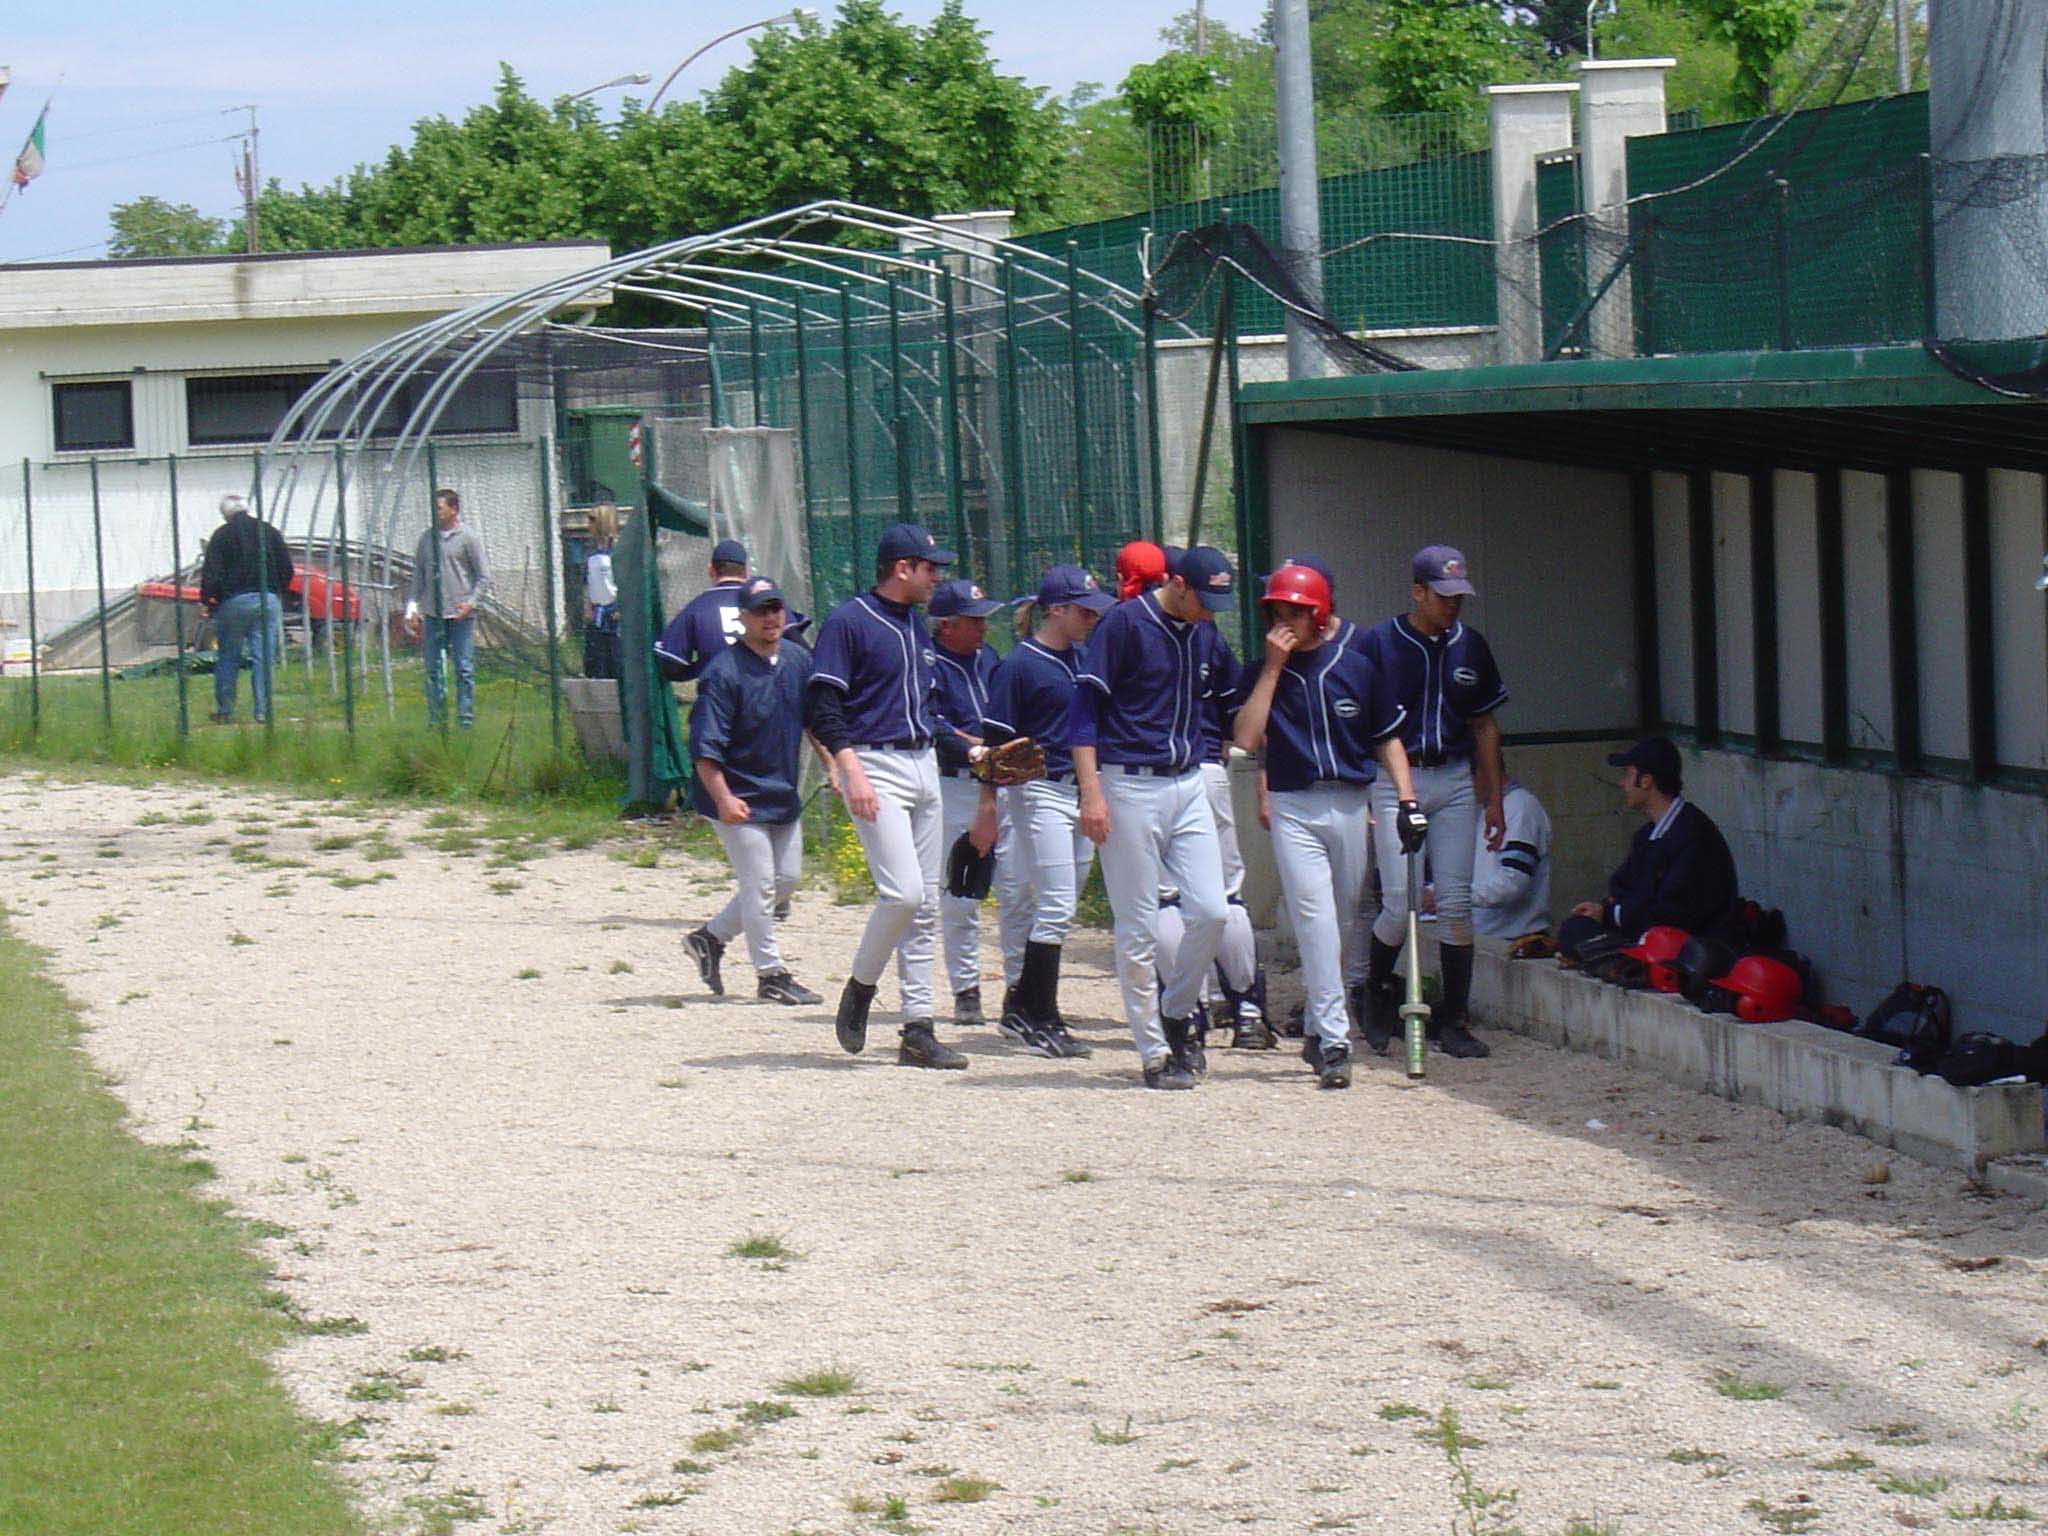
<point x="1815" y="569"/>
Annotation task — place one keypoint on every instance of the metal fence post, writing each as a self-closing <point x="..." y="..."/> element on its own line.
<point x="264" y="648"/>
<point x="99" y="564"/>
<point x="956" y="499"/>
<point x="852" y="422"/>
<point x="1239" y="480"/>
<point x="435" y="666"/>
<point x="178" y="597"/>
<point x="341" y="612"/>
<point x="1075" y="380"/>
<point x="714" y="387"/>
<point x="754" y="360"/>
<point x="1013" y="447"/>
<point x="803" y="444"/>
<point x="1150" y="342"/>
<point x="35" y="661"/>
<point x="899" y="425"/>
<point x="547" y="555"/>
<point x="1931" y="312"/>
<point x="1781" y="260"/>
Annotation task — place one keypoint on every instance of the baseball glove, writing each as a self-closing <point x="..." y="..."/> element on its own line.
<point x="1533" y="946"/>
<point x="1016" y="761"/>
<point x="969" y="874"/>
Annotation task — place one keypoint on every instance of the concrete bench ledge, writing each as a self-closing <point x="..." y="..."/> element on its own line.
<point x="1801" y="1070"/>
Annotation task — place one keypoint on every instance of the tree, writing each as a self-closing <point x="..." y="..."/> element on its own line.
<point x="1434" y="55"/>
<point x="1761" y="32"/>
<point x="149" y="226"/>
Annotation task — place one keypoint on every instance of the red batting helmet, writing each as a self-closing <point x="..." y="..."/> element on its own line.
<point x="1299" y="585"/>
<point x="1657" y="949"/>
<point x="1140" y="566"/>
<point x="1763" y="990"/>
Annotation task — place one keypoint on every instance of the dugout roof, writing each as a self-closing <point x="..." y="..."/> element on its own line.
<point x="1847" y="407"/>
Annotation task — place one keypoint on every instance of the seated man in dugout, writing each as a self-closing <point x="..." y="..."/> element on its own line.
<point x="1678" y="870"/>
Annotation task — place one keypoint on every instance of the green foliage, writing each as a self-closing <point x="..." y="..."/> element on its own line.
<point x="1433" y="55"/>
<point x="1761" y="32"/>
<point x="1179" y="90"/>
<point x="149" y="226"/>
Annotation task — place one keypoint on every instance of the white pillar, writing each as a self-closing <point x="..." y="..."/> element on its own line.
<point x="1524" y="121"/>
<point x="1620" y="99"/>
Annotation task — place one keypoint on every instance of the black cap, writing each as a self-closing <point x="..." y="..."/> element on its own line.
<point x="728" y="552"/>
<point x="760" y="592"/>
<point x="1071" y="584"/>
<point x="1656" y="756"/>
<point x="1208" y="575"/>
<point x="960" y="599"/>
<point x="911" y="541"/>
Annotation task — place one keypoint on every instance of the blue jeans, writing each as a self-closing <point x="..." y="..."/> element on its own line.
<point x="460" y="644"/>
<point x="250" y="628"/>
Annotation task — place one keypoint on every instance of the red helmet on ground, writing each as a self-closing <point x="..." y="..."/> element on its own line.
<point x="1763" y="990"/>
<point x="1302" y="586"/>
<point x="1657" y="949"/>
<point x="1140" y="566"/>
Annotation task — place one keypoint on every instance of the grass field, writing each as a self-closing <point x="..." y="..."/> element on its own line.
<point x="134" y="1323"/>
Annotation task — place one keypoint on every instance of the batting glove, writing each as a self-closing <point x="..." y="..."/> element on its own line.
<point x="1412" y="825"/>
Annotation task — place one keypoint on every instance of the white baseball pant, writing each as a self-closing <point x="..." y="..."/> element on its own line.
<point x="1445" y="797"/>
<point x="767" y="861"/>
<point x="1013" y="893"/>
<point x="960" y="916"/>
<point x="1052" y="856"/>
<point x="904" y="860"/>
<point x="1238" y="954"/>
<point x="1161" y="831"/>
<point x="1322" y="850"/>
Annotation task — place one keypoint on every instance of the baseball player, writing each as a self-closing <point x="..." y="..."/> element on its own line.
<point x="710" y="621"/>
<point x="1325" y="718"/>
<point x="1511" y="885"/>
<point x="746" y="731"/>
<point x="1135" y="732"/>
<point x="1140" y="566"/>
<point x="959" y="611"/>
<point x="1444" y="678"/>
<point x="1032" y="695"/>
<point x="869" y="703"/>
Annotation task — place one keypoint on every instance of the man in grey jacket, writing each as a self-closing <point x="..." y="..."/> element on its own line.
<point x="449" y="578"/>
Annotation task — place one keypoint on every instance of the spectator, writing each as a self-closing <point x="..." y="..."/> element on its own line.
<point x="241" y="583"/>
<point x="1678" y="870"/>
<point x="449" y="577"/>
<point x="601" y="596"/>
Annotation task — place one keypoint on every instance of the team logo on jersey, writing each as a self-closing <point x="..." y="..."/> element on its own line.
<point x="1346" y="708"/>
<point x="1464" y="677"/>
<point x="930" y="660"/>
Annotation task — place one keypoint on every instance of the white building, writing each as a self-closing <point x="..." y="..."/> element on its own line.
<point x="134" y="373"/>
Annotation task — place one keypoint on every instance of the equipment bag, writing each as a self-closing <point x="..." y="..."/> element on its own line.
<point x="1915" y="1018"/>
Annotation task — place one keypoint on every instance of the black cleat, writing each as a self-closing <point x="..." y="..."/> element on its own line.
<point x="1312" y="1051"/>
<point x="1020" y="1029"/>
<point x="920" y="1048"/>
<point x="1334" y="1071"/>
<point x="1378" y="1012"/>
<point x="1250" y="1031"/>
<point x="1166" y="1072"/>
<point x="1454" y="1039"/>
<point x="1296" y="1024"/>
<point x="782" y="910"/>
<point x="967" y="1012"/>
<point x="781" y="987"/>
<point x="851" y="1023"/>
<point x="709" y="954"/>
<point x="1187" y="1039"/>
<point x="1057" y="1032"/>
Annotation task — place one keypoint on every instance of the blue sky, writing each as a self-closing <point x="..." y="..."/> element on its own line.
<point x="141" y="87"/>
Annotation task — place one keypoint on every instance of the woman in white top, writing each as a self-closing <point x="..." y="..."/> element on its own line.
<point x="600" y="596"/>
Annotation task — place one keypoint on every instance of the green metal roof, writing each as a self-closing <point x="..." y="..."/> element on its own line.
<point x="1871" y="407"/>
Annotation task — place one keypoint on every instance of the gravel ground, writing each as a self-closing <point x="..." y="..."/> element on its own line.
<point x="509" y="1147"/>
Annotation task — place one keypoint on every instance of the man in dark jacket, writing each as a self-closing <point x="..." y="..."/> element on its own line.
<point x="242" y="583"/>
<point x="1678" y="870"/>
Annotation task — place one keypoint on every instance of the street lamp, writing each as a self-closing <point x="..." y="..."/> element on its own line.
<point x="799" y="14"/>
<point x="635" y="79"/>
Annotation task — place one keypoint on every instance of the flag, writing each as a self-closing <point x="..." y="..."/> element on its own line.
<point x="6" y="75"/>
<point x="28" y="165"/>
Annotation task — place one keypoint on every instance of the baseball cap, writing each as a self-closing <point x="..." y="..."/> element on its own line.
<point x="759" y="592"/>
<point x="911" y="541"/>
<point x="1139" y="564"/>
<point x="1442" y="569"/>
<point x="1071" y="584"/>
<point x="960" y="599"/>
<point x="1207" y="573"/>
<point x="1654" y="755"/>
<point x="728" y="552"/>
<point x="1320" y="566"/>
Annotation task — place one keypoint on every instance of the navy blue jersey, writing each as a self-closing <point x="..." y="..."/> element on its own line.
<point x="703" y="627"/>
<point x="881" y="657"/>
<point x="1150" y="675"/>
<point x="1030" y="694"/>
<point x="962" y="700"/>
<point x="748" y="718"/>
<point x="1442" y="683"/>
<point x="1330" y="706"/>
<point x="1219" y="709"/>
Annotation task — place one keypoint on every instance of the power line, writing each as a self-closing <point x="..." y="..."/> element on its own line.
<point x="142" y="154"/>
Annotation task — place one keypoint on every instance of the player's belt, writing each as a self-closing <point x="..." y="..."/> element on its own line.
<point x="1437" y="759"/>
<point x="1147" y="770"/>
<point x="902" y="744"/>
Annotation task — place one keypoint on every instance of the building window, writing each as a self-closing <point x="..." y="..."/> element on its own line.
<point x="486" y="401"/>
<point x="93" y="417"/>
<point x="240" y="408"/>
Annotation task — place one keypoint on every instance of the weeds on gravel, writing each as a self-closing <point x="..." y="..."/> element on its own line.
<point x="963" y="1490"/>
<point x="760" y="1413"/>
<point x="711" y="1442"/>
<point x="1482" y="1511"/>
<point x="831" y="1382"/>
<point x="435" y="1354"/>
<point x="762" y="1245"/>
<point x="381" y="1387"/>
<point x="439" y="1513"/>
<point x="1123" y="1436"/>
<point x="1848" y="1461"/>
<point x="1893" y="1434"/>
<point x="1795" y="1514"/>
<point x="665" y="1500"/>
<point x="1592" y="1528"/>
<point x="128" y="1301"/>
<point x="1393" y="1411"/>
<point x="332" y="1327"/>
<point x="1915" y="1487"/>
<point x="1745" y="1389"/>
<point x="1997" y="1509"/>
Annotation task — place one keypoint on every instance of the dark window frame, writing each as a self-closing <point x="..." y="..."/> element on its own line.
<point x="58" y="391"/>
<point x="502" y="404"/>
<point x="197" y="384"/>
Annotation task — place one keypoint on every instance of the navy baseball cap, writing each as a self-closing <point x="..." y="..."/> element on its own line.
<point x="728" y="552"/>
<point x="1442" y="569"/>
<point x="1654" y="755"/>
<point x="761" y="592"/>
<point x="1071" y="584"/>
<point x="911" y="541"/>
<point x="1208" y="575"/>
<point x="1320" y="566"/>
<point x="960" y="599"/>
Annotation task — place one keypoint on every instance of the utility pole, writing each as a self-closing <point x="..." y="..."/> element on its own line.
<point x="1301" y="220"/>
<point x="248" y="180"/>
<point x="1201" y="27"/>
<point x="1902" y="58"/>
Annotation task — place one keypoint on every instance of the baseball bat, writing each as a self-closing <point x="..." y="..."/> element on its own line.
<point x="1414" y="1012"/>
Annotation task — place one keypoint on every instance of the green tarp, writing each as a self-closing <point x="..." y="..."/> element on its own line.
<point x="656" y="767"/>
